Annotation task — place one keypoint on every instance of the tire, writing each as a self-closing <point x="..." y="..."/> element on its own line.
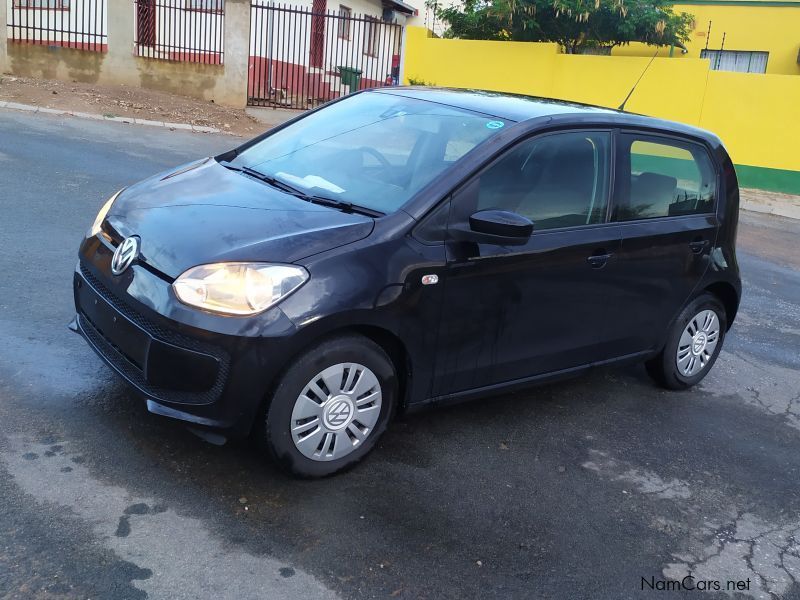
<point x="676" y="371"/>
<point x="334" y="383"/>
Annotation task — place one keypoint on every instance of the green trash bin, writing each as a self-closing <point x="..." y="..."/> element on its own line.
<point x="350" y="77"/>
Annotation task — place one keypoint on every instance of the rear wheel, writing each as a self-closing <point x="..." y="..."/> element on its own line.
<point x="330" y="407"/>
<point x="693" y="344"/>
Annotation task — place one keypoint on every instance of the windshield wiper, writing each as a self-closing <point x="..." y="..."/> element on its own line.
<point x="273" y="181"/>
<point x="342" y="205"/>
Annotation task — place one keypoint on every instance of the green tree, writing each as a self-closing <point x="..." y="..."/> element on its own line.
<point x="575" y="24"/>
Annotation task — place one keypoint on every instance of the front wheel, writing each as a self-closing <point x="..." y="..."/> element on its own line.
<point x="693" y="345"/>
<point x="330" y="407"/>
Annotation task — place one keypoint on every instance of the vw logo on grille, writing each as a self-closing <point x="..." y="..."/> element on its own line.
<point x="339" y="413"/>
<point x="124" y="255"/>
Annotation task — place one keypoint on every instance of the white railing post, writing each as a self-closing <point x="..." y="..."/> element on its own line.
<point x="401" y="77"/>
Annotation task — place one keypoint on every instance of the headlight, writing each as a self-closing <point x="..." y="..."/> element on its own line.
<point x="238" y="288"/>
<point x="101" y="215"/>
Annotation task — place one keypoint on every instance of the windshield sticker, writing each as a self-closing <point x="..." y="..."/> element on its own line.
<point x="495" y="124"/>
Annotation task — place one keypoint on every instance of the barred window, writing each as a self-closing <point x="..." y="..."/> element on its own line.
<point x="737" y="60"/>
<point x="345" y="14"/>
<point x="371" y="35"/>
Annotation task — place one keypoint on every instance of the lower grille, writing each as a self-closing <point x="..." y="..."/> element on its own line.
<point x="133" y="372"/>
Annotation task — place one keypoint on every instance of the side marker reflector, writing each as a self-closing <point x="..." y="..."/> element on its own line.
<point x="430" y="279"/>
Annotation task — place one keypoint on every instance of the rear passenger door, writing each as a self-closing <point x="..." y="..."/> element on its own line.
<point x="665" y="195"/>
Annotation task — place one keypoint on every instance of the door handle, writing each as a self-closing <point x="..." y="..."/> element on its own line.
<point x="698" y="246"/>
<point x="598" y="260"/>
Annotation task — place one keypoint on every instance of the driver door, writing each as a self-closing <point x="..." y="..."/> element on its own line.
<point x="515" y="312"/>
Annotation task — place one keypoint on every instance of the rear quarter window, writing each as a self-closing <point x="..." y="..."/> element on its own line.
<point x="661" y="178"/>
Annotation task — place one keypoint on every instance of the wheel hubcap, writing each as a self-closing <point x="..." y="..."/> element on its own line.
<point x="336" y="411"/>
<point x="698" y="342"/>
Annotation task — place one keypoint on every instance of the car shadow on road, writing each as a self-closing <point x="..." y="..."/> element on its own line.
<point x="432" y="439"/>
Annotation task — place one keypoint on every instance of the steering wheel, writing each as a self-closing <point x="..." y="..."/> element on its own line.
<point x="375" y="154"/>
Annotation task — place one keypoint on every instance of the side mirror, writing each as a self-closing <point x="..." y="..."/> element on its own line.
<point x="501" y="222"/>
<point x="499" y="227"/>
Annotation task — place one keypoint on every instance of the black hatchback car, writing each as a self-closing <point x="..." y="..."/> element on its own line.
<point x="410" y="246"/>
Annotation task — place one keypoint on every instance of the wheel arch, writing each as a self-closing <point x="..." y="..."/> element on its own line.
<point x="395" y="348"/>
<point x="728" y="296"/>
<point x="389" y="341"/>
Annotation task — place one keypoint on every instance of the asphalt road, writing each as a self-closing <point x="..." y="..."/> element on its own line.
<point x="592" y="488"/>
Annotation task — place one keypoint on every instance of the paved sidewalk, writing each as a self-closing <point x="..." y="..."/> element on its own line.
<point x="272" y="116"/>
<point x="771" y="203"/>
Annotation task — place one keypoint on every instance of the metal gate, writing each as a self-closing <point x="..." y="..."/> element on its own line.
<point x="301" y="57"/>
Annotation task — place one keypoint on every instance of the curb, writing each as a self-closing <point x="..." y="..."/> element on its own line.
<point x="768" y="208"/>
<point x="32" y="108"/>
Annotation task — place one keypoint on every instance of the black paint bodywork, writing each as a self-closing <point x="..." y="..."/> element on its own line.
<point x="493" y="322"/>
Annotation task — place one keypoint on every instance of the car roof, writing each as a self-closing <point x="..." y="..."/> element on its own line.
<point x="519" y="108"/>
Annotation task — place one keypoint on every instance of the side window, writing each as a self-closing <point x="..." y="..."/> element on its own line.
<point x="657" y="178"/>
<point x="558" y="180"/>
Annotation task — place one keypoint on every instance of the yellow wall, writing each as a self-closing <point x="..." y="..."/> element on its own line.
<point x="755" y="115"/>
<point x="754" y="26"/>
<point x="665" y="90"/>
<point x="506" y="66"/>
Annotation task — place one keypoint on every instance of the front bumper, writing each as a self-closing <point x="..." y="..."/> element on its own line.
<point x="162" y="364"/>
<point x="203" y="377"/>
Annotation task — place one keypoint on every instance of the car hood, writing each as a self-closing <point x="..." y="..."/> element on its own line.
<point x="203" y="213"/>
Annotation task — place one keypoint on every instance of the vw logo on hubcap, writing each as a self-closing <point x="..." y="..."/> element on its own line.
<point x="338" y="414"/>
<point x="124" y="255"/>
<point x="699" y="343"/>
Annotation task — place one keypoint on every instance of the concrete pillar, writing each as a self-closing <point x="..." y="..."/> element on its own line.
<point x="118" y="64"/>
<point x="231" y="88"/>
<point x="4" y="66"/>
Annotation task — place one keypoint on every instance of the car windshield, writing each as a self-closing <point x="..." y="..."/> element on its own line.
<point x="373" y="150"/>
